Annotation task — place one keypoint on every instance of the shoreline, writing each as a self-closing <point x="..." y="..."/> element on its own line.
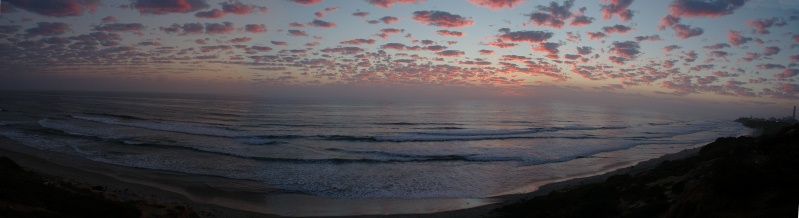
<point x="212" y="202"/>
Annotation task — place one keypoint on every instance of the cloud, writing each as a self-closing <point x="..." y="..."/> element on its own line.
<point x="219" y="28"/>
<point x="796" y="38"/>
<point x="550" y="48"/>
<point x="787" y="74"/>
<point x="394" y="46"/>
<point x="450" y="53"/>
<point x="321" y="24"/>
<point x="500" y="44"/>
<point x="762" y="25"/>
<point x="626" y="49"/>
<point x="618" y="8"/>
<point x="109" y="19"/>
<point x="668" y="21"/>
<point x="616" y="29"/>
<point x="496" y="4"/>
<point x="486" y="52"/>
<point x="770" y="66"/>
<point x="584" y="50"/>
<point x="441" y="19"/>
<point x="684" y="31"/>
<point x="298" y="33"/>
<point x="360" y="14"/>
<point x="322" y="14"/>
<point x="120" y="27"/>
<point x="240" y="40"/>
<point x="279" y="43"/>
<point x="717" y="46"/>
<point x="769" y="51"/>
<point x="343" y="50"/>
<point x="9" y="29"/>
<point x="596" y="35"/>
<point x="60" y="8"/>
<point x="359" y="42"/>
<point x="48" y="29"/>
<point x="704" y="8"/>
<point x="719" y="54"/>
<point x="307" y="2"/>
<point x="389" y="19"/>
<point x="160" y="7"/>
<point x="435" y="48"/>
<point x="255" y="28"/>
<point x="386" y="4"/>
<point x="737" y="39"/>
<point x="384" y="33"/>
<point x="529" y="36"/>
<point x="794" y="58"/>
<point x="671" y="48"/>
<point x="582" y="21"/>
<point x="554" y="15"/>
<point x="651" y="38"/>
<point x="450" y="33"/>
<point x="213" y="14"/>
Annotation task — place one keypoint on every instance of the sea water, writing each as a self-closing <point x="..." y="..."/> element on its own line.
<point x="361" y="149"/>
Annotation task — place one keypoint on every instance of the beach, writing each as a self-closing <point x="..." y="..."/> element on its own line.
<point x="227" y="204"/>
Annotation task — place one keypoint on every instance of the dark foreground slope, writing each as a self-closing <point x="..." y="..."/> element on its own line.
<point x="25" y="193"/>
<point x="731" y="177"/>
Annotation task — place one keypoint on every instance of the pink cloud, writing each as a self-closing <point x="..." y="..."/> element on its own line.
<point x="120" y="27"/>
<point x="257" y="48"/>
<point x="486" y="52"/>
<point x="255" y="28"/>
<point x="762" y="25"/>
<point x="110" y="19"/>
<point x="584" y="50"/>
<point x="343" y="50"/>
<point x="48" y="29"/>
<point x="160" y="7"/>
<point x="279" y="43"/>
<point x="668" y="21"/>
<point x="450" y="33"/>
<point x="359" y="42"/>
<point x="514" y="58"/>
<point x="389" y="19"/>
<point x="787" y="74"/>
<point x="769" y="51"/>
<point x="597" y="35"/>
<point x="719" y="54"/>
<point x="704" y="8"/>
<point x="529" y="36"/>
<point x="238" y="8"/>
<point x="149" y="44"/>
<point x="321" y="24"/>
<point x="618" y="8"/>
<point x="796" y="38"/>
<point x="360" y="14"/>
<point x="794" y="58"/>
<point x="296" y="25"/>
<point x="737" y="39"/>
<point x="684" y="31"/>
<point x="240" y="40"/>
<point x="441" y="19"/>
<point x="307" y="2"/>
<point x="386" y="4"/>
<point x="770" y="66"/>
<point x="497" y="4"/>
<point x="671" y="48"/>
<point x="450" y="53"/>
<point x="500" y="44"/>
<point x="618" y="60"/>
<point x="61" y="8"/>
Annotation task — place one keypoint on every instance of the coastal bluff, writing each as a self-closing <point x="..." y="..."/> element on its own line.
<point x="731" y="177"/>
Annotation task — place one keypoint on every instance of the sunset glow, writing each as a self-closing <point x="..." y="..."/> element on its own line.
<point x="727" y="51"/>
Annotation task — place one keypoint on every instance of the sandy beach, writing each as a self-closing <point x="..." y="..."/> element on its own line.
<point x="218" y="199"/>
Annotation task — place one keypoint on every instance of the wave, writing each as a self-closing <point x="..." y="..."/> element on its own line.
<point x="179" y="127"/>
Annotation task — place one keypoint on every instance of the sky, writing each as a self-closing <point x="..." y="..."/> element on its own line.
<point x="678" y="53"/>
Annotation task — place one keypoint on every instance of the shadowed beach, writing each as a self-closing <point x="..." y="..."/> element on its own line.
<point x="731" y="177"/>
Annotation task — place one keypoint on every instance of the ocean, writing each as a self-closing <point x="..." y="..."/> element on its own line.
<point x="353" y="149"/>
